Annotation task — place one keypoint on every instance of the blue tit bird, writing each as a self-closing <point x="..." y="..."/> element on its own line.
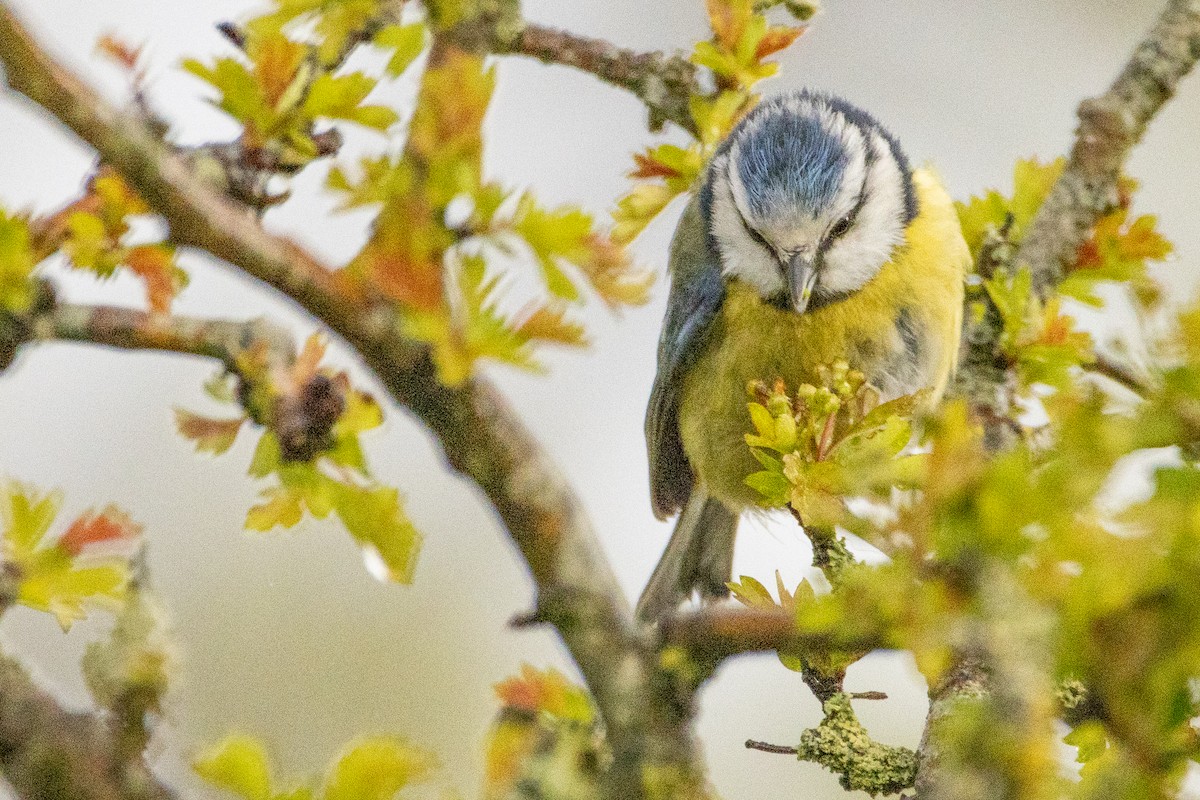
<point x="809" y="241"/>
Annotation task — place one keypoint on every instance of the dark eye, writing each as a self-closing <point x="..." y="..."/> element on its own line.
<point x="840" y="227"/>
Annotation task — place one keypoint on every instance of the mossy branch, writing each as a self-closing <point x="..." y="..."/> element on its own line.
<point x="842" y="745"/>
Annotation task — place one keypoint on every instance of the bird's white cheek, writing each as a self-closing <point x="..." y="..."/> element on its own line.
<point x="741" y="256"/>
<point x="849" y="264"/>
<point x="763" y="274"/>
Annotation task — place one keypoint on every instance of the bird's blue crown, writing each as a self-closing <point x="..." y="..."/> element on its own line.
<point x="793" y="162"/>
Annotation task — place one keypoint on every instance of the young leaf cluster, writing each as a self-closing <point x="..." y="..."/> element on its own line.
<point x="96" y="233"/>
<point x="287" y="77"/>
<point x="1036" y="338"/>
<point x="85" y="566"/>
<point x="829" y="442"/>
<point x="311" y="420"/>
<point x="544" y="739"/>
<point x="443" y="236"/>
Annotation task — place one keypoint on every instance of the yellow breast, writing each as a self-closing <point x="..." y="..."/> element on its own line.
<point x="901" y="329"/>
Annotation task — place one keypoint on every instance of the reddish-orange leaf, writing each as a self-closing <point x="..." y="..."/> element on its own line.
<point x="405" y="254"/>
<point x="546" y="691"/>
<point x="155" y="265"/>
<point x="1088" y="256"/>
<point x="121" y="52"/>
<point x="522" y="693"/>
<point x="210" y="435"/>
<point x="776" y="39"/>
<point x="649" y="167"/>
<point x="727" y="23"/>
<point x="416" y="284"/>
<point x="276" y="60"/>
<point x="305" y="368"/>
<point x="109" y="526"/>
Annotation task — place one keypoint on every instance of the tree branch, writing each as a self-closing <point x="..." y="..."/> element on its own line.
<point x="47" y="753"/>
<point x="719" y="632"/>
<point x="1121" y="373"/>
<point x="130" y="329"/>
<point x="479" y="434"/>
<point x="665" y="83"/>
<point x="1110" y="125"/>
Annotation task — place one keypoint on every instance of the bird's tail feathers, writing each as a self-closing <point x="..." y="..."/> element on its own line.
<point x="699" y="557"/>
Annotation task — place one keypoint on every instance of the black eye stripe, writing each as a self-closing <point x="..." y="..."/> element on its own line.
<point x="843" y="225"/>
<point x="754" y="234"/>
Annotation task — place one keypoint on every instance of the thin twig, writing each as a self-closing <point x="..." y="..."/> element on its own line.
<point x="1121" y="373"/>
<point x="766" y="747"/>
<point x="664" y="83"/>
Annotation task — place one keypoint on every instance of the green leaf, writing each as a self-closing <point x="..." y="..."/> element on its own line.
<point x="406" y="42"/>
<point x="750" y="592"/>
<point x="377" y="768"/>
<point x="16" y="264"/>
<point x="283" y="507"/>
<point x="26" y="518"/>
<point x="375" y="517"/>
<point x="773" y="486"/>
<point x="58" y="587"/>
<point x="555" y="234"/>
<point x="240" y="95"/>
<point x="1091" y="740"/>
<point x="268" y="456"/>
<point x="237" y="764"/>
<point x="340" y="97"/>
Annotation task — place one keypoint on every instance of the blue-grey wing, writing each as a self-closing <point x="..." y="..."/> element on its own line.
<point x="697" y="291"/>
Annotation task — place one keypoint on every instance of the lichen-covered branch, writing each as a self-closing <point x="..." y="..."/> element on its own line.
<point x="481" y="437"/>
<point x="1109" y="126"/>
<point x="841" y="744"/>
<point x="47" y="753"/>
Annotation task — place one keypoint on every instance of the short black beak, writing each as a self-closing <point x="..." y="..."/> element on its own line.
<point x="801" y="278"/>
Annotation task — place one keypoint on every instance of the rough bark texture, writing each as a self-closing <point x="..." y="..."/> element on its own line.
<point x="47" y="753"/>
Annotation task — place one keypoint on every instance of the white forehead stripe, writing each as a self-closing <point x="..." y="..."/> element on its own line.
<point x="878" y="227"/>
<point x="742" y="255"/>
